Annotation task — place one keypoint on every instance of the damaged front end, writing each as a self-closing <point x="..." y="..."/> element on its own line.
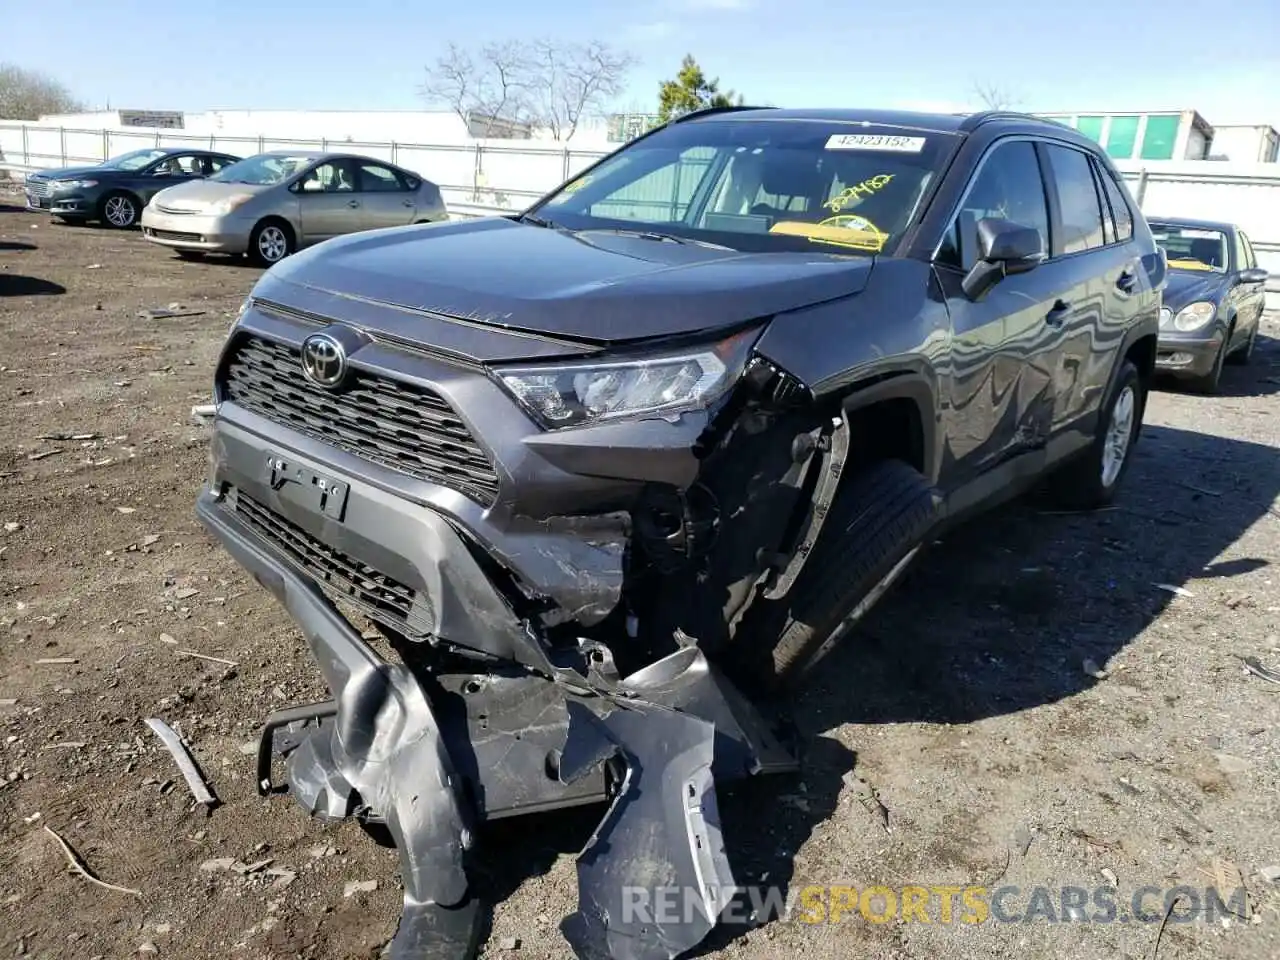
<point x="560" y="611"/>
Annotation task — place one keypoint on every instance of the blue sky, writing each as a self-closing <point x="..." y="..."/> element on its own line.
<point x="323" y="54"/>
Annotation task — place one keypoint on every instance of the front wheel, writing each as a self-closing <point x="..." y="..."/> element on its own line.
<point x="120" y="211"/>
<point x="1092" y="480"/>
<point x="270" y="243"/>
<point x="1242" y="356"/>
<point x="877" y="522"/>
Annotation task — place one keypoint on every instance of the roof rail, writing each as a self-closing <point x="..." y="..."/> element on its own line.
<point x="707" y="111"/>
<point x="975" y="120"/>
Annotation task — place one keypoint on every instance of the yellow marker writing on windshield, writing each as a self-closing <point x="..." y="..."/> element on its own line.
<point x="857" y="191"/>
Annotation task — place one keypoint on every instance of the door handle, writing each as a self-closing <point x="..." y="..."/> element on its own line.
<point x="1127" y="280"/>
<point x="353" y="203"/>
<point x="407" y="203"/>
<point x="1058" y="315"/>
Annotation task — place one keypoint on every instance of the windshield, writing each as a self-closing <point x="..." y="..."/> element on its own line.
<point x="759" y="185"/>
<point x="134" y="159"/>
<point x="264" y="169"/>
<point x="1190" y="248"/>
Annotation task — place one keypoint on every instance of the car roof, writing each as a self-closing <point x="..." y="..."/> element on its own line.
<point x="1194" y="224"/>
<point x="304" y="154"/>
<point x="959" y="123"/>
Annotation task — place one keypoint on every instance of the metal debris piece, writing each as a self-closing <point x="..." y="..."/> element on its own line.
<point x="359" y="886"/>
<point x="41" y="454"/>
<point x="1177" y="591"/>
<point x="1092" y="669"/>
<point x="182" y="757"/>
<point x="57" y="660"/>
<point x="73" y="859"/>
<point x="204" y="412"/>
<point x="205" y="656"/>
<point x="1254" y="666"/>
<point x="1110" y="876"/>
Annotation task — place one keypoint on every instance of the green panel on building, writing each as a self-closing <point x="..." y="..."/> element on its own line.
<point x="1122" y="137"/>
<point x="1159" y="140"/>
<point x="1091" y="127"/>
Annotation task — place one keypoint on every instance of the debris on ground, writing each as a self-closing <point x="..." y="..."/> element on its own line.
<point x="1176" y="590"/>
<point x="78" y="865"/>
<point x="866" y="795"/>
<point x="353" y="887"/>
<point x="186" y="763"/>
<point x="1254" y="665"/>
<point x="205" y="656"/>
<point x="1092" y="669"/>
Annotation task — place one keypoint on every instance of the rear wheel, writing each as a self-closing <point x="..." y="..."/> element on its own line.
<point x="270" y="242"/>
<point x="876" y="525"/>
<point x="119" y="210"/>
<point x="1093" y="479"/>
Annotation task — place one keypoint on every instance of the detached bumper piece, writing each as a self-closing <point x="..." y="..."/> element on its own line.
<point x="432" y="754"/>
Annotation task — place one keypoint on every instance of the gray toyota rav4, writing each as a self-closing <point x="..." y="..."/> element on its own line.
<point x="610" y="474"/>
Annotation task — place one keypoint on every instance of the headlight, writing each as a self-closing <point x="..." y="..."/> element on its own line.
<point x="658" y="385"/>
<point x="227" y="204"/>
<point x="1194" y="316"/>
<point x="75" y="184"/>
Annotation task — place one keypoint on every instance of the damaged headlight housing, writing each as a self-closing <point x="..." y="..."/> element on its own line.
<point x="1194" y="316"/>
<point x="652" y="385"/>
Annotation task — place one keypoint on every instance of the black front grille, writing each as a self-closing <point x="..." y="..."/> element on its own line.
<point x="174" y="235"/>
<point x="379" y="596"/>
<point x="396" y="424"/>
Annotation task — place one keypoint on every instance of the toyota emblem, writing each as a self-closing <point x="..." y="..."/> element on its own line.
<point x="324" y="360"/>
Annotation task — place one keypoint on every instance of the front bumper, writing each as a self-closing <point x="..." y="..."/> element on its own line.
<point x="1187" y="356"/>
<point x="72" y="204"/>
<point x="195" y="232"/>
<point x="430" y="753"/>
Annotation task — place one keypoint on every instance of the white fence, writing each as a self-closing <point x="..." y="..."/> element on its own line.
<point x="502" y="175"/>
<point x="507" y="174"/>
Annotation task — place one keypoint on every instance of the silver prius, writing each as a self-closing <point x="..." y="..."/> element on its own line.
<point x="274" y="203"/>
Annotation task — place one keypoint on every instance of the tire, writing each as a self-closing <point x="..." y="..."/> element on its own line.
<point x="1091" y="481"/>
<point x="877" y="522"/>
<point x="119" y="210"/>
<point x="1208" y="384"/>
<point x="1243" y="355"/>
<point x="270" y="242"/>
<point x="191" y="255"/>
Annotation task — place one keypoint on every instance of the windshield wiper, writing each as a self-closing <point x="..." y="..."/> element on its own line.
<point x="536" y="221"/>
<point x="665" y="238"/>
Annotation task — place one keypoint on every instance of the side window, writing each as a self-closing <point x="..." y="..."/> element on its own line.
<point x="1079" y="207"/>
<point x="1250" y="260"/>
<point x="1009" y="187"/>
<point x="217" y="163"/>
<point x="375" y="178"/>
<point x="1242" y="254"/>
<point x="1108" y="219"/>
<point x="332" y="177"/>
<point x="661" y="196"/>
<point x="1119" y="206"/>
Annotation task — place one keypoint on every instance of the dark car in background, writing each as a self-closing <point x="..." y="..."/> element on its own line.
<point x="115" y="191"/>
<point x="1213" y="300"/>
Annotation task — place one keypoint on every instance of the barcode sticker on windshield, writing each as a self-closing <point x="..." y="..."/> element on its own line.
<point x="875" y="141"/>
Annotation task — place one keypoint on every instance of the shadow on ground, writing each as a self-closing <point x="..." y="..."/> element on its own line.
<point x="17" y="285"/>
<point x="12" y="246"/>
<point x="997" y="618"/>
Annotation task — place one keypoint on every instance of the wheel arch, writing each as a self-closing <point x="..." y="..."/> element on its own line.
<point x="894" y="415"/>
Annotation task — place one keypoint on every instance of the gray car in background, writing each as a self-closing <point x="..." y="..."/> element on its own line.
<point x="272" y="204"/>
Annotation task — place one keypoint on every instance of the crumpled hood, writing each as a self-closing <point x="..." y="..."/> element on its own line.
<point x="1188" y="286"/>
<point x="591" y="286"/>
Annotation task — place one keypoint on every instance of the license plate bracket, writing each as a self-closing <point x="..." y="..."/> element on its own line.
<point x="308" y="488"/>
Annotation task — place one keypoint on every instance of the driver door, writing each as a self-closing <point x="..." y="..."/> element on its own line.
<point x="328" y="202"/>
<point x="1006" y="346"/>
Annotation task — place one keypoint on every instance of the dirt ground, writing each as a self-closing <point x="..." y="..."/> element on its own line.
<point x="965" y="705"/>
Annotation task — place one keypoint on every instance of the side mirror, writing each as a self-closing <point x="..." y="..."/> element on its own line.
<point x="1254" y="275"/>
<point x="1005" y="248"/>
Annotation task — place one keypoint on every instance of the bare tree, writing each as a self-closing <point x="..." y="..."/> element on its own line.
<point x="29" y="95"/>
<point x="492" y="87"/>
<point x="573" y="80"/>
<point x="545" y="82"/>
<point x="993" y="96"/>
